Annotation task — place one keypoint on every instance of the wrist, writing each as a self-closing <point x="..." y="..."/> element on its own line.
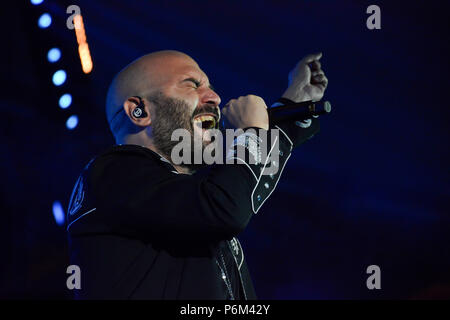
<point x="292" y="95"/>
<point x="284" y="101"/>
<point x="296" y="94"/>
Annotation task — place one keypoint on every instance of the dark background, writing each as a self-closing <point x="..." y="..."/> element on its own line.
<point x="371" y="188"/>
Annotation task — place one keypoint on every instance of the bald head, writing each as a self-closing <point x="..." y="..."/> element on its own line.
<point x="142" y="77"/>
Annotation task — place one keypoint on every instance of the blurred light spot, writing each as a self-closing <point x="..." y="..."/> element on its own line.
<point x="45" y="20"/>
<point x="59" y="77"/>
<point x="85" y="57"/>
<point x="58" y="213"/>
<point x="65" y="101"/>
<point x="83" y="47"/>
<point x="72" y="122"/>
<point x="53" y="54"/>
<point x="36" y="2"/>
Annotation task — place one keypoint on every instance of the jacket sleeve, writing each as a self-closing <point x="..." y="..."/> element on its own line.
<point x="137" y="197"/>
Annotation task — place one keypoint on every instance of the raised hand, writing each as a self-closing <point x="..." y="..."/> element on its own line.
<point x="307" y="81"/>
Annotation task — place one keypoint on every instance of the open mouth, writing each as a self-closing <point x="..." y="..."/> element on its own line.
<point x="206" y="121"/>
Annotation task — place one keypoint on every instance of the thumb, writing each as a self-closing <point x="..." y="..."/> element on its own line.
<point x="312" y="57"/>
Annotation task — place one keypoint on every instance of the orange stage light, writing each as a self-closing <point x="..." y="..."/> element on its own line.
<point x="83" y="47"/>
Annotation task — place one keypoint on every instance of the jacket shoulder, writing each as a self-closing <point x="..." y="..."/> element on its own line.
<point x="110" y="166"/>
<point x="124" y="154"/>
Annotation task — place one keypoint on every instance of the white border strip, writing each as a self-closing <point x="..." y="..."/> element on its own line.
<point x="275" y="183"/>
<point x="245" y="164"/>
<point x="259" y="179"/>
<point x="286" y="136"/>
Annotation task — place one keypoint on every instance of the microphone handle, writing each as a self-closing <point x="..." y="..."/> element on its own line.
<point x="298" y="111"/>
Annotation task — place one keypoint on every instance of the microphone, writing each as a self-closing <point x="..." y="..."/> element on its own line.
<point x="297" y="111"/>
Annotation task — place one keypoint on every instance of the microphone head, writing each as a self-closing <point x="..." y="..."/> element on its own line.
<point x="327" y="106"/>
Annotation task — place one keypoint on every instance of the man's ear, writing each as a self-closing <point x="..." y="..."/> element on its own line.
<point x="130" y="106"/>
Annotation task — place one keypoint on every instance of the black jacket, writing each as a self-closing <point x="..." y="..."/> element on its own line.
<point x="139" y="230"/>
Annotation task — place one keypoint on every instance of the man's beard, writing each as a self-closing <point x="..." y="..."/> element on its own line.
<point x="169" y="115"/>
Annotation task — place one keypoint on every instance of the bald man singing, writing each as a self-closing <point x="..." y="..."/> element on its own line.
<point x="144" y="226"/>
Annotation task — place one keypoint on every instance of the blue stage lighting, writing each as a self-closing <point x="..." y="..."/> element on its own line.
<point x="45" y="20"/>
<point x="65" y="101"/>
<point x="53" y="55"/>
<point x="72" y="122"/>
<point x="58" y="213"/>
<point x="59" y="77"/>
<point x="36" y="2"/>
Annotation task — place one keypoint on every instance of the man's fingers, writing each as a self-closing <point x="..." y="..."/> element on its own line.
<point x="310" y="58"/>
<point x="315" y="65"/>
<point x="317" y="73"/>
<point x="322" y="81"/>
<point x="318" y="78"/>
